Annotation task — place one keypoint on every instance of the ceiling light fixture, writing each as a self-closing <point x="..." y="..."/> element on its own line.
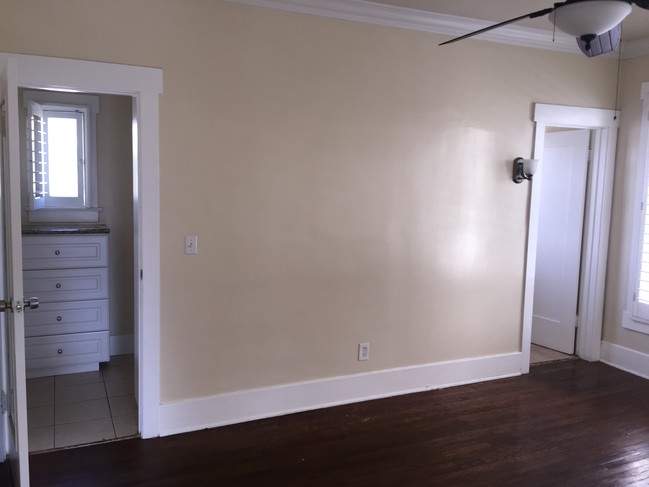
<point x="587" y="19"/>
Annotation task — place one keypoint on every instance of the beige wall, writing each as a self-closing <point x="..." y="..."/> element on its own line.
<point x="115" y="188"/>
<point x="635" y="72"/>
<point x="347" y="183"/>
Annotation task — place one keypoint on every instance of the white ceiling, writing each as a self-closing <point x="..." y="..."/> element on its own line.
<point x="635" y="27"/>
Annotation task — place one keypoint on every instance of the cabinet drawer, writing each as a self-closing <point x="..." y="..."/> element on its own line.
<point x="53" y="354"/>
<point x="61" y="318"/>
<point x="66" y="284"/>
<point x="62" y="252"/>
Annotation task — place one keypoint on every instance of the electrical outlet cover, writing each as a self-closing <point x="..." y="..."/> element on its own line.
<point x="363" y="351"/>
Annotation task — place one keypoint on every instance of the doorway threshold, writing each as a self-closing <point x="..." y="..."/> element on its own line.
<point x="542" y="355"/>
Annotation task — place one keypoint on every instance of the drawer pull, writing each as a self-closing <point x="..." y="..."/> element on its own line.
<point x="59" y="351"/>
<point x="58" y="318"/>
<point x="57" y="252"/>
<point x="58" y="285"/>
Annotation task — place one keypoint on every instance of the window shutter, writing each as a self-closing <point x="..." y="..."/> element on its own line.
<point x="641" y="298"/>
<point x="636" y="315"/>
<point x="37" y="155"/>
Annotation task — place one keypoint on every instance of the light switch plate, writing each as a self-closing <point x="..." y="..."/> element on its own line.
<point x="191" y="244"/>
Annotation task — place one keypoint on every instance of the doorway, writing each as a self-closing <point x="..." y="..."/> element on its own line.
<point x="559" y="247"/>
<point x="73" y="397"/>
<point x="144" y="85"/>
<point x="602" y="125"/>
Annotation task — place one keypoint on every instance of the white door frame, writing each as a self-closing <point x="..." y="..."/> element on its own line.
<point x="144" y="85"/>
<point x="599" y="197"/>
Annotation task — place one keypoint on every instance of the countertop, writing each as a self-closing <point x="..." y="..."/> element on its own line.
<point x="65" y="230"/>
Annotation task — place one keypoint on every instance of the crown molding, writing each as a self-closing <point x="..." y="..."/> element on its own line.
<point x="422" y="21"/>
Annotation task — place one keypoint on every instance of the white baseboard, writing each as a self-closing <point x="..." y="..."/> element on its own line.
<point x="121" y="344"/>
<point x="622" y="358"/>
<point x="248" y="405"/>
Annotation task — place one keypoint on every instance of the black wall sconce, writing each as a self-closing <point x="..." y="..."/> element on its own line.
<point x="524" y="169"/>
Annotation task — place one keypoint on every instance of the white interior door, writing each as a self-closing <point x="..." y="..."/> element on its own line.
<point x="561" y="218"/>
<point x="11" y="286"/>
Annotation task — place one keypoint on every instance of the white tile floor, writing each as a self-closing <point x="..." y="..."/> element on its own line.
<point x="540" y="355"/>
<point x="75" y="409"/>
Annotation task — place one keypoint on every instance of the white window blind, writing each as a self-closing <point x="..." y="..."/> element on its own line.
<point x="636" y="317"/>
<point x="641" y="301"/>
<point x="37" y="155"/>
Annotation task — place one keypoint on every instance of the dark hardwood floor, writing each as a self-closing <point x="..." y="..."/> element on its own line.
<point x="564" y="424"/>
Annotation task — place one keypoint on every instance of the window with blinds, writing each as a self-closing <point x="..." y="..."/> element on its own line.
<point x="56" y="156"/>
<point x="61" y="151"/>
<point x="641" y="295"/>
<point x="636" y="316"/>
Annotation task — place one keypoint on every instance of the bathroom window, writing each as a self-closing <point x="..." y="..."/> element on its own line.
<point x="61" y="153"/>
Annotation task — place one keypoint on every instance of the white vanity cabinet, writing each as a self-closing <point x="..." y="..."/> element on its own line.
<point x="68" y="332"/>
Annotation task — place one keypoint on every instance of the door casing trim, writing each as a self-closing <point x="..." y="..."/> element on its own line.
<point x="599" y="198"/>
<point x="144" y="85"/>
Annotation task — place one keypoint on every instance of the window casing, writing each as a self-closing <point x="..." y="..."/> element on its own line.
<point x="636" y="316"/>
<point x="61" y="156"/>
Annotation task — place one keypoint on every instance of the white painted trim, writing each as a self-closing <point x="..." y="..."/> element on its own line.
<point x="121" y="344"/>
<point x="623" y="358"/>
<point x="597" y="225"/>
<point x="435" y="23"/>
<point x="248" y="405"/>
<point x="145" y="86"/>
<point x="128" y="80"/>
<point x="574" y="117"/>
<point x="148" y="241"/>
<point x="629" y="321"/>
<point x="604" y="123"/>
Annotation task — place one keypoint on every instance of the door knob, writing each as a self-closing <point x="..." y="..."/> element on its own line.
<point x="5" y="305"/>
<point x="29" y="303"/>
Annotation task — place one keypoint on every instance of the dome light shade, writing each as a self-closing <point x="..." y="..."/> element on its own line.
<point x="590" y="17"/>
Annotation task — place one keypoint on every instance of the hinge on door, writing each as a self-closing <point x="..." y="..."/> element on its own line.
<point x="3" y="402"/>
<point x="577" y="321"/>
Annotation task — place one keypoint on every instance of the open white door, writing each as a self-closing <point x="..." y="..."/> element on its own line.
<point x="12" y="284"/>
<point x="561" y="219"/>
